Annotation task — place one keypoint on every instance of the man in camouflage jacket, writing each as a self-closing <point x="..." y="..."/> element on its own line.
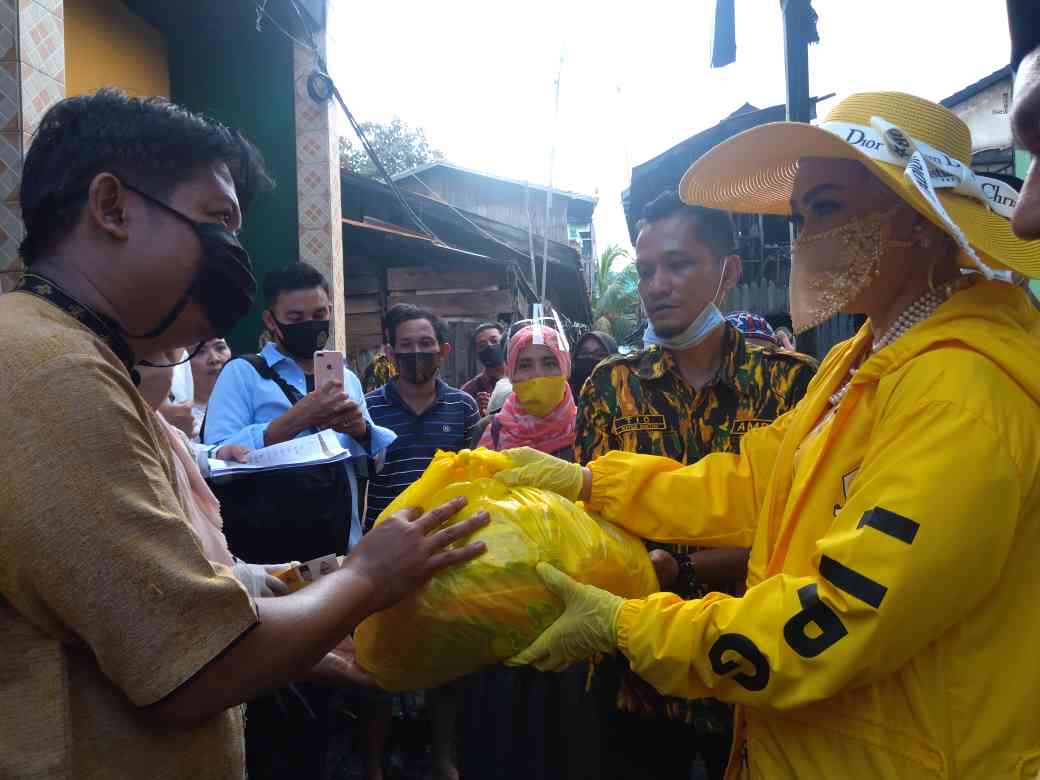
<point x="695" y="391"/>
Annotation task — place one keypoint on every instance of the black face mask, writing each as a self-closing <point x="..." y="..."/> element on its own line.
<point x="491" y="356"/>
<point x="418" y="367"/>
<point x="581" y="369"/>
<point x="224" y="285"/>
<point x="303" y="339"/>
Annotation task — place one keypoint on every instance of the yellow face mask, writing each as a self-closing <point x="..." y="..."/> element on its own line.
<point x="540" y="395"/>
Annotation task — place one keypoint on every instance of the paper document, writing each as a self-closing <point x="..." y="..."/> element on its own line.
<point x="321" y="447"/>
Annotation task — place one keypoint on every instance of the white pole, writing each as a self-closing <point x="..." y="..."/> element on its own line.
<point x="549" y="192"/>
<point x="530" y="237"/>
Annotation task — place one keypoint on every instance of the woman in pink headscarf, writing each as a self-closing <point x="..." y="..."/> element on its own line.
<point x="540" y="412"/>
<point x="534" y="719"/>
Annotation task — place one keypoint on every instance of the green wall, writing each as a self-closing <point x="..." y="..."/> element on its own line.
<point x="244" y="78"/>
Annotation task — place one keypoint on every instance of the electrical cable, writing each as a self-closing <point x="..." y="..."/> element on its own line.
<point x="478" y="228"/>
<point x="261" y="12"/>
<point x="321" y="88"/>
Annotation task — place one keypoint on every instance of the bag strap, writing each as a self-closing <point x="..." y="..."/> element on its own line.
<point x="266" y="372"/>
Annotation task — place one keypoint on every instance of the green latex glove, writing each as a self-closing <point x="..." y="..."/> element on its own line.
<point x="585" y="628"/>
<point x="531" y="468"/>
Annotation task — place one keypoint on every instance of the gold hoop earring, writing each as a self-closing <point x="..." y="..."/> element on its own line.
<point x="931" y="275"/>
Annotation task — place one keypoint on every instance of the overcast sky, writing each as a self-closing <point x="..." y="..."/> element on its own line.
<point x="478" y="76"/>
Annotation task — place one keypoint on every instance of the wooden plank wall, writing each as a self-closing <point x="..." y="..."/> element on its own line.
<point x="763" y="297"/>
<point x="364" y="301"/>
<point x="836" y="329"/>
<point x="768" y="299"/>
<point x="463" y="297"/>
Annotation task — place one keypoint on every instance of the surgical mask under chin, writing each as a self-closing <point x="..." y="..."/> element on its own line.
<point x="303" y="339"/>
<point x="831" y="268"/>
<point x="539" y="396"/>
<point x="224" y="285"/>
<point x="693" y="334"/>
<point x="418" y="368"/>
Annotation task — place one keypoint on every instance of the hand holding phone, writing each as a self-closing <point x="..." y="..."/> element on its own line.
<point x="329" y="364"/>
<point x="327" y="403"/>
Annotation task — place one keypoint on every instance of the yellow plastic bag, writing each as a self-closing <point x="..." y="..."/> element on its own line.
<point x="493" y="607"/>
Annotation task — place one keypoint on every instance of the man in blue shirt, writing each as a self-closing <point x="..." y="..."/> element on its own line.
<point x="247" y="409"/>
<point x="427" y="415"/>
<point x="312" y="512"/>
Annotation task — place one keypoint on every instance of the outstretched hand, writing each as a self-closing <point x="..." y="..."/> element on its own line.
<point x="399" y="555"/>
<point x="531" y="468"/>
<point x="586" y="627"/>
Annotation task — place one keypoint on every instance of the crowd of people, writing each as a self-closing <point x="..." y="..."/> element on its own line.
<point x="844" y="549"/>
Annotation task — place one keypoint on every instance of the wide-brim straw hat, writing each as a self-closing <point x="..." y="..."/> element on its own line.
<point x="754" y="172"/>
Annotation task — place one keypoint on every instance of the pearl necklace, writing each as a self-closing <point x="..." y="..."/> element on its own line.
<point x="918" y="311"/>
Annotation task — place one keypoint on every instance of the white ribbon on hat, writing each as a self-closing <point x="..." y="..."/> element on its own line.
<point x="929" y="169"/>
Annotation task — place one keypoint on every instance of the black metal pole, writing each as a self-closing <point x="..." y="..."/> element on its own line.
<point x="796" y="67"/>
<point x="796" y="58"/>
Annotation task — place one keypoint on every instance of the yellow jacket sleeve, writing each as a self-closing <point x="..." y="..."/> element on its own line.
<point x="713" y="503"/>
<point x="921" y="540"/>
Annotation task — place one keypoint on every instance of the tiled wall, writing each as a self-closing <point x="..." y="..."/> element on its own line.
<point x="317" y="183"/>
<point x="32" y="79"/>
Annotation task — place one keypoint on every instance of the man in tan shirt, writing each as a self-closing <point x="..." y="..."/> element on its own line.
<point x="125" y="651"/>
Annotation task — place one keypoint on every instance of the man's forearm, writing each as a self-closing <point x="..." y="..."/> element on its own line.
<point x="720" y="566"/>
<point x="281" y="429"/>
<point x="294" y="633"/>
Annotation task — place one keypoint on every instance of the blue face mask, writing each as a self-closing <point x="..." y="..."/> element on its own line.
<point x="693" y="334"/>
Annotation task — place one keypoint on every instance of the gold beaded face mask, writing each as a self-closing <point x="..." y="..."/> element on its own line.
<point x="829" y="269"/>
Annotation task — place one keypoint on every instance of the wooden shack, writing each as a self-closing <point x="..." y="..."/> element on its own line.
<point x="472" y="272"/>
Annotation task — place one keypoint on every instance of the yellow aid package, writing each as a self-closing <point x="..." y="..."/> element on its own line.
<point x="491" y="608"/>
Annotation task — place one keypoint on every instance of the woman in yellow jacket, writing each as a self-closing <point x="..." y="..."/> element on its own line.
<point x="890" y="628"/>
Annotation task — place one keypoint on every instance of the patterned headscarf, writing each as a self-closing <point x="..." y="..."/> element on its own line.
<point x="517" y="427"/>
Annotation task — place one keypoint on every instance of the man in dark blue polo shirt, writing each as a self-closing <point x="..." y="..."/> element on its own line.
<point x="427" y="415"/>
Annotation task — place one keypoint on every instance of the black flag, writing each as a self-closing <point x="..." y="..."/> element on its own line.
<point x="724" y="39"/>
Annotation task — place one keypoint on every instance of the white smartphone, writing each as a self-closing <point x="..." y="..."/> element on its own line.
<point x="329" y="364"/>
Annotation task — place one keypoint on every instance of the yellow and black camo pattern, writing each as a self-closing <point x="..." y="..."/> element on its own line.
<point x="639" y="402"/>
<point x="377" y="373"/>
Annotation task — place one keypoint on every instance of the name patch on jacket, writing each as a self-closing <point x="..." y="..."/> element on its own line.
<point x="741" y="427"/>
<point x="640" y="422"/>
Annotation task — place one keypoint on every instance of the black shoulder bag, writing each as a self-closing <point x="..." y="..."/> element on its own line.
<point x="288" y="514"/>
